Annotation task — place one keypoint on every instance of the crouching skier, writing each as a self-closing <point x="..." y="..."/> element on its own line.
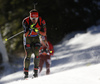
<point x="45" y="53"/>
<point x="33" y="27"/>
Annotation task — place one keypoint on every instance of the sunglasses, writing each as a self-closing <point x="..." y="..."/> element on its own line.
<point x="34" y="18"/>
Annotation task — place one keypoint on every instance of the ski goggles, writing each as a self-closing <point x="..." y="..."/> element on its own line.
<point x="34" y="18"/>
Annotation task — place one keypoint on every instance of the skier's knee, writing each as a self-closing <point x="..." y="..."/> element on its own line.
<point x="27" y="46"/>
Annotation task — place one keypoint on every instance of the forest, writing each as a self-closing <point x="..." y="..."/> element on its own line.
<point x="62" y="17"/>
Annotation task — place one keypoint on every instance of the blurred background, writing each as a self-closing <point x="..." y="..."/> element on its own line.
<point x="62" y="17"/>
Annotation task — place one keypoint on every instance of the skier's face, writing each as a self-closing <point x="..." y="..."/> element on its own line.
<point x="34" y="17"/>
<point x="34" y="20"/>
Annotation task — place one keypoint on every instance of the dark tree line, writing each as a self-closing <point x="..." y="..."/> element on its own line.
<point x="62" y="17"/>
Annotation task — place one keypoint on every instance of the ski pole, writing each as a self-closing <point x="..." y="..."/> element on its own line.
<point x="14" y="35"/>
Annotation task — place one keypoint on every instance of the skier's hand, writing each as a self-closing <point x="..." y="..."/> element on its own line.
<point x="36" y="30"/>
<point x="33" y="28"/>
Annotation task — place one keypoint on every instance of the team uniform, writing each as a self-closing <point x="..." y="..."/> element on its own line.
<point x="32" y="42"/>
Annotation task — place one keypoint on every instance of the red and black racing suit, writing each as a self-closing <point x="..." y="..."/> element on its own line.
<point x="32" y="42"/>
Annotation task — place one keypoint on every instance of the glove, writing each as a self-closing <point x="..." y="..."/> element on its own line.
<point x="33" y="28"/>
<point x="36" y="30"/>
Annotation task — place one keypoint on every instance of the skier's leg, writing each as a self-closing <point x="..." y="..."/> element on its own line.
<point x="36" y="63"/>
<point x="27" y="61"/>
<point x="36" y="48"/>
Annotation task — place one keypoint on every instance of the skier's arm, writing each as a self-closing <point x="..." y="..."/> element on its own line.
<point x="43" y="31"/>
<point x="26" y="28"/>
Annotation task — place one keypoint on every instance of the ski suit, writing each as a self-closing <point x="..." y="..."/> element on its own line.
<point x="31" y="42"/>
<point x="45" y="54"/>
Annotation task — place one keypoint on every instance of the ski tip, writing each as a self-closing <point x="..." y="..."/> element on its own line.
<point x="6" y="39"/>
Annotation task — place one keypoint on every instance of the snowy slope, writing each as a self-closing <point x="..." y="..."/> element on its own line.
<point x="76" y="61"/>
<point x="83" y="75"/>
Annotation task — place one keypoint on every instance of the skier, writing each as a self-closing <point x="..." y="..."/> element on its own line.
<point x="45" y="53"/>
<point x="33" y="27"/>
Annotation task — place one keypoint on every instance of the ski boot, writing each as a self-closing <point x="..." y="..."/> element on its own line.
<point x="35" y="74"/>
<point x="25" y="73"/>
<point x="26" y="76"/>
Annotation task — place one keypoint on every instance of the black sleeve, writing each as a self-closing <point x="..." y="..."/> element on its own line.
<point x="25" y="26"/>
<point x="43" y="24"/>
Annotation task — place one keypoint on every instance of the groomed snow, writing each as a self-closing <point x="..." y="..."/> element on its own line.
<point x="76" y="61"/>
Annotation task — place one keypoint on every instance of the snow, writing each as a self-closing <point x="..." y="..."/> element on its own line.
<point x="76" y="61"/>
